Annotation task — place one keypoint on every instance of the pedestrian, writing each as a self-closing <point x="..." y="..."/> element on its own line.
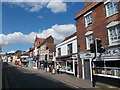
<point x="53" y="71"/>
<point x="58" y="67"/>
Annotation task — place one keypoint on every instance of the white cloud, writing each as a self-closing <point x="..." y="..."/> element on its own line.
<point x="11" y="52"/>
<point x="57" y="7"/>
<point x="37" y="5"/>
<point x="30" y="6"/>
<point x="59" y="32"/>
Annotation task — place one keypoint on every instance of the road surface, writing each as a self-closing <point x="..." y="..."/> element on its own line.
<point x="17" y="77"/>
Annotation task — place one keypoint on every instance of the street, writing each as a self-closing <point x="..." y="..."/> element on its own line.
<point x="17" y="77"/>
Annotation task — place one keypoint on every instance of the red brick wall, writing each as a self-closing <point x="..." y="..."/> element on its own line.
<point x="99" y="26"/>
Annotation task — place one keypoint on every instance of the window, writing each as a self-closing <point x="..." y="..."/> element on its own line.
<point x="111" y="8"/>
<point x="69" y="49"/>
<point x="59" y="52"/>
<point x="46" y="47"/>
<point x="46" y="57"/>
<point x="89" y="40"/>
<point x="88" y="20"/>
<point x="70" y="66"/>
<point x="114" y="35"/>
<point x="50" y="54"/>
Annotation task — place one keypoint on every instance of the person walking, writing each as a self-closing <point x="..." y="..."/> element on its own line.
<point x="58" y="67"/>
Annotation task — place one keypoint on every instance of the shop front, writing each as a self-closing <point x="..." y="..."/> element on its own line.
<point x="41" y="65"/>
<point x="35" y="63"/>
<point x="30" y="64"/>
<point x="107" y="71"/>
<point x="107" y="67"/>
<point x="68" y="65"/>
<point x="62" y="64"/>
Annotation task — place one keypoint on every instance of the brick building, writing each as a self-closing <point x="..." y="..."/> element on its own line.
<point x="46" y="53"/>
<point x="99" y="20"/>
<point x="34" y="53"/>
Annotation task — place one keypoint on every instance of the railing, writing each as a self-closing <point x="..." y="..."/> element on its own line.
<point x="111" y="71"/>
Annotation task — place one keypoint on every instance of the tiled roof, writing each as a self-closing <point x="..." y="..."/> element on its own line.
<point x="51" y="46"/>
<point x="74" y="34"/>
<point x="41" y="40"/>
<point x="46" y="41"/>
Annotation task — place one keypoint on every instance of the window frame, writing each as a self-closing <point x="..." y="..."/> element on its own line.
<point x="87" y="44"/>
<point x="117" y="30"/>
<point x="85" y="19"/>
<point x="59" y="52"/>
<point x="69" y="51"/>
<point x="107" y="10"/>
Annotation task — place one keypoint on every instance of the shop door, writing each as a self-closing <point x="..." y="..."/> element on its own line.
<point x="87" y="69"/>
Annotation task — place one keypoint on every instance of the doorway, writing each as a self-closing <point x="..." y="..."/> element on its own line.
<point x="87" y="69"/>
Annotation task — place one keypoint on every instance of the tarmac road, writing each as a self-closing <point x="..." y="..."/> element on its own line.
<point x="17" y="77"/>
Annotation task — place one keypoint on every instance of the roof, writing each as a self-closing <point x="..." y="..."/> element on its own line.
<point x="41" y="40"/>
<point x="74" y="34"/>
<point x="51" y="46"/>
<point x="47" y="40"/>
<point x="31" y="49"/>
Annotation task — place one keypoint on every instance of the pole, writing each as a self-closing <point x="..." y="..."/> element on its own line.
<point x="93" y="79"/>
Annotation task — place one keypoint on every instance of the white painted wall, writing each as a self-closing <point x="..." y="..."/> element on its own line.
<point x="35" y="52"/>
<point x="63" y="46"/>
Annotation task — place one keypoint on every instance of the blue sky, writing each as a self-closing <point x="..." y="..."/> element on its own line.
<point x="16" y="18"/>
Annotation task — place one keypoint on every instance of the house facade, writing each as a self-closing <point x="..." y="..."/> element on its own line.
<point x="99" y="20"/>
<point x="46" y="52"/>
<point x="66" y="55"/>
<point x="35" y="52"/>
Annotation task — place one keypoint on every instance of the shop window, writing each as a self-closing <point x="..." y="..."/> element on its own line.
<point x="111" y="8"/>
<point x="111" y="68"/>
<point x="70" y="66"/>
<point x="69" y="49"/>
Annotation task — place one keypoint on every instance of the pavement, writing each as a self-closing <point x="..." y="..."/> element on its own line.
<point x="69" y="79"/>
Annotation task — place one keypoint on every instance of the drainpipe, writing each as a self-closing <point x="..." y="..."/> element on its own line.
<point x="79" y="75"/>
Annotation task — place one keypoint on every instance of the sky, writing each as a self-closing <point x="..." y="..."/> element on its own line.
<point x="22" y="21"/>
